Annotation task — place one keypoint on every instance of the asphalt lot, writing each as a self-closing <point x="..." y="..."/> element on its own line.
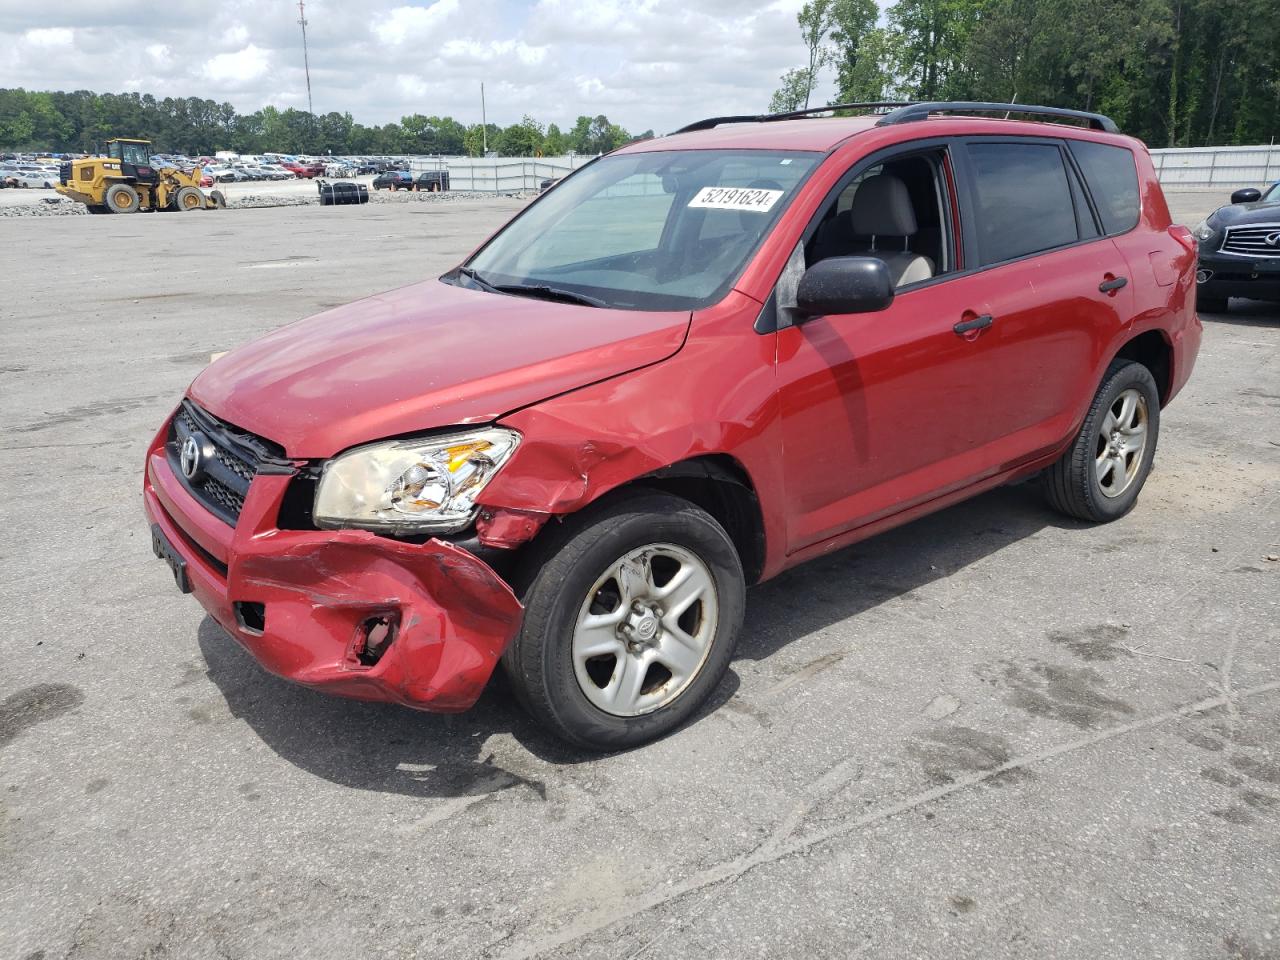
<point x="990" y="733"/>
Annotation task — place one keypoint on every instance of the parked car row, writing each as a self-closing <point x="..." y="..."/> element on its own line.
<point x="32" y="171"/>
<point x="17" y="173"/>
<point x="241" y="172"/>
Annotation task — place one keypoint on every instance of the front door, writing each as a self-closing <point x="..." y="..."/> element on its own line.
<point x="881" y="411"/>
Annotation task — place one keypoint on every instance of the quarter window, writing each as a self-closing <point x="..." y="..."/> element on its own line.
<point x="1022" y="199"/>
<point x="1113" y="181"/>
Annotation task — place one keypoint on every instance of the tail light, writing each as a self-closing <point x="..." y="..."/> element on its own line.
<point x="1184" y="237"/>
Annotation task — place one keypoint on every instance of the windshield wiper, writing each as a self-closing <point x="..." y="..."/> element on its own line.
<point x="478" y="280"/>
<point x="547" y="293"/>
<point x="542" y="290"/>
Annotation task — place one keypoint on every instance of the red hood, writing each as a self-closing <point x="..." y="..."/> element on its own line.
<point x="424" y="356"/>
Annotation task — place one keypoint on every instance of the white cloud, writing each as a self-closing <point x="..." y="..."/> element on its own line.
<point x="160" y="54"/>
<point x="50" y="37"/>
<point x="236" y="35"/>
<point x="237" y="69"/>
<point x="414" y="23"/>
<point x="646" y="63"/>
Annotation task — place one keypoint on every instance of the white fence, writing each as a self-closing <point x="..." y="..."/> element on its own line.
<point x="1179" y="168"/>
<point x="1191" y="168"/>
<point x="499" y="174"/>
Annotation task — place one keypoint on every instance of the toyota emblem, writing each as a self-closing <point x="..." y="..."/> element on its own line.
<point x="189" y="458"/>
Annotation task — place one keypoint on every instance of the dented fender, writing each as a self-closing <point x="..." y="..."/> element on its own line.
<point x="716" y="397"/>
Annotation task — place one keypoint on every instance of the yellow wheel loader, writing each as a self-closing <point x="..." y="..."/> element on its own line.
<point x="124" y="181"/>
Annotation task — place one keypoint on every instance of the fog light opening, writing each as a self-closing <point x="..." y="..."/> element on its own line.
<point x="1204" y="276"/>
<point x="252" y="617"/>
<point x="373" y="637"/>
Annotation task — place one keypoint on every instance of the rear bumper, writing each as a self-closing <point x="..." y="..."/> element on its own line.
<point x="450" y="615"/>
<point x="1186" y="347"/>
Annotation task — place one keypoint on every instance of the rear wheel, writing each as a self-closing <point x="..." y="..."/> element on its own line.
<point x="122" y="198"/>
<point x="219" y="200"/>
<point x="632" y="611"/>
<point x="1102" y="473"/>
<point x="189" y="198"/>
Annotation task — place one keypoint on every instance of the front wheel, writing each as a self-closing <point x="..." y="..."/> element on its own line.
<point x="1102" y="472"/>
<point x="189" y="198"/>
<point x="632" y="611"/>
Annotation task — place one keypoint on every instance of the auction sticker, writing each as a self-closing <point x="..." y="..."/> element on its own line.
<point x="736" y="198"/>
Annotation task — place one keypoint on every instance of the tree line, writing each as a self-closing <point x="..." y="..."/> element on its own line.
<point x="1172" y="72"/>
<point x="84" y="121"/>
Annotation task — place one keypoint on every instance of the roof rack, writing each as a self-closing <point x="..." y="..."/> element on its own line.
<point x="710" y="122"/>
<point x="909" y="113"/>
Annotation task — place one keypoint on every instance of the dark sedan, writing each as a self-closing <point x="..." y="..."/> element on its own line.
<point x="1240" y="250"/>
<point x="393" y="180"/>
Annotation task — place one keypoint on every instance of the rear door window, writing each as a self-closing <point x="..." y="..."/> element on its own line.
<point x="1113" y="182"/>
<point x="1022" y="199"/>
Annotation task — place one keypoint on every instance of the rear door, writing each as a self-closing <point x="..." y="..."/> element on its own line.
<point x="1057" y="291"/>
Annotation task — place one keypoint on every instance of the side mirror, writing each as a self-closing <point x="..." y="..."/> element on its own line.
<point x="845" y="285"/>
<point x="1247" y="195"/>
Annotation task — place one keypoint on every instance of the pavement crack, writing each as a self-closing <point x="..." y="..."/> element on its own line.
<point x="771" y="852"/>
<point x="829" y="783"/>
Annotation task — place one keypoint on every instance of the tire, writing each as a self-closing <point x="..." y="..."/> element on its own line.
<point x="219" y="199"/>
<point x="188" y="198"/>
<point x="122" y="198"/>
<point x="1211" y="305"/>
<point x="575" y="572"/>
<point x="1101" y="474"/>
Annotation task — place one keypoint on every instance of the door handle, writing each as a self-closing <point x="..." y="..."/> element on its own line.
<point x="977" y="323"/>
<point x="1115" y="283"/>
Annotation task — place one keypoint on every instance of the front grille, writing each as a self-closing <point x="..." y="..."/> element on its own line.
<point x="1255" y="240"/>
<point x="229" y="460"/>
<point x="64" y="173"/>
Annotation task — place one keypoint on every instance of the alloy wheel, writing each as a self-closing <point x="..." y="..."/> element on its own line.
<point x="1121" y="441"/>
<point x="645" y="630"/>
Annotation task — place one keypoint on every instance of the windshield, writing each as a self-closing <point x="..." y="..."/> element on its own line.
<point x="667" y="230"/>
<point x="1273" y="193"/>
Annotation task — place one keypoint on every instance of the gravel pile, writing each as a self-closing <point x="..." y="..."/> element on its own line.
<point x="45" y="207"/>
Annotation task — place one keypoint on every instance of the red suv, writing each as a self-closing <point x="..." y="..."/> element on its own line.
<point x="304" y="170"/>
<point x="698" y="361"/>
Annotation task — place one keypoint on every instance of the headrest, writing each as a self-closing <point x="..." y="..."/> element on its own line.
<point x="882" y="208"/>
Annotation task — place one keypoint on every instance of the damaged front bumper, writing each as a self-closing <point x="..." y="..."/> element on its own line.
<point x="343" y="611"/>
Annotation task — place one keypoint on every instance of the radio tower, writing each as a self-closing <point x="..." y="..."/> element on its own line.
<point x="302" y="22"/>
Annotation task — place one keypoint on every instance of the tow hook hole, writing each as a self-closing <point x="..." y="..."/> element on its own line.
<point x="252" y="617"/>
<point x="373" y="636"/>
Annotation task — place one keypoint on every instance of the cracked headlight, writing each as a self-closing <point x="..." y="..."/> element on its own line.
<point x="424" y="485"/>
<point x="1203" y="232"/>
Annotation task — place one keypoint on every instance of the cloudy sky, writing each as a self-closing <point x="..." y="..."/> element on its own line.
<point x="644" y="63"/>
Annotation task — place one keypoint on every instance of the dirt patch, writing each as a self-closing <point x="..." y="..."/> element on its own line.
<point x="36" y="704"/>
